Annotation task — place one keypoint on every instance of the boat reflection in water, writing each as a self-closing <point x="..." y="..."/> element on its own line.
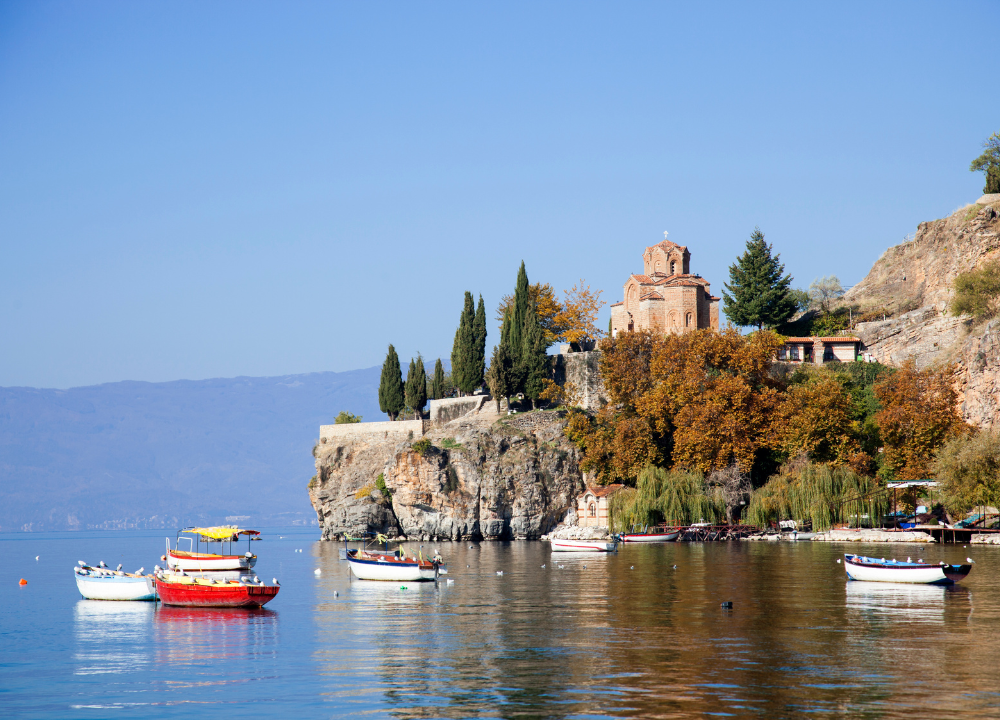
<point x="112" y="637"/>
<point x="188" y="634"/>
<point x="905" y="601"/>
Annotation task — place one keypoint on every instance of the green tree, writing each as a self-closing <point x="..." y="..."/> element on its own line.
<point x="344" y="417"/>
<point x="801" y="299"/>
<point x="968" y="468"/>
<point x="391" y="398"/>
<point x="416" y="387"/>
<point x="989" y="163"/>
<point x="479" y="345"/>
<point x="500" y="376"/>
<point x="438" y="381"/>
<point x="463" y="350"/>
<point x="522" y="301"/>
<point x="534" y="360"/>
<point x="977" y="292"/>
<point x="760" y="295"/>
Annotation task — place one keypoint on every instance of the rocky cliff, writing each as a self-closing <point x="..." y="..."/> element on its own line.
<point x="912" y="283"/>
<point x="482" y="476"/>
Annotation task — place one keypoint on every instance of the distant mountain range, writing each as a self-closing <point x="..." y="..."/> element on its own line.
<point x="151" y="455"/>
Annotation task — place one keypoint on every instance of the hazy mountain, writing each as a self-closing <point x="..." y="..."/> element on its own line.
<point x="165" y="454"/>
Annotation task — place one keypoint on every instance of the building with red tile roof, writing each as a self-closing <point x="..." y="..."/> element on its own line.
<point x="666" y="297"/>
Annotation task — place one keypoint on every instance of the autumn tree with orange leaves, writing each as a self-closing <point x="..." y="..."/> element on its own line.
<point x="573" y="320"/>
<point x="918" y="416"/>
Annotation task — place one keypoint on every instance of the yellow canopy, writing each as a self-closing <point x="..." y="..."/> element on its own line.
<point x="221" y="532"/>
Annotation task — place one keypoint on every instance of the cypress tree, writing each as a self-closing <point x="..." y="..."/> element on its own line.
<point x="500" y="376"/>
<point x="760" y="295"/>
<point x="534" y="360"/>
<point x="437" y="381"/>
<point x="462" y="358"/>
<point x="416" y="387"/>
<point x="522" y="301"/>
<point x="391" y="397"/>
<point x="479" y="344"/>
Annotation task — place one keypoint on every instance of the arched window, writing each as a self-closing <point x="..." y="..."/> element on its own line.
<point x="631" y="325"/>
<point x="592" y="510"/>
<point x="673" y="268"/>
<point x="687" y="320"/>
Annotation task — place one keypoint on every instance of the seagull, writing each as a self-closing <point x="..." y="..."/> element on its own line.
<point x="908" y="559"/>
<point x="838" y="561"/>
<point x="317" y="571"/>
<point x="675" y="567"/>
<point x="543" y="567"/>
<point x="584" y="567"/>
<point x="470" y="547"/>
<point x="450" y="581"/>
<point x="499" y="572"/>
<point x="561" y="567"/>
<point x="631" y="567"/>
<point x="119" y="567"/>
<point x="256" y="579"/>
<point x="101" y="564"/>
<point x="970" y="561"/>
<point x="276" y="582"/>
<point x="81" y="563"/>
<point x="336" y="594"/>
<point x="139" y="571"/>
<point x="36" y="558"/>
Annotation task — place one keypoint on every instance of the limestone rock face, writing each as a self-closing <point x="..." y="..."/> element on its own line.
<point x="914" y="283"/>
<point x="484" y="477"/>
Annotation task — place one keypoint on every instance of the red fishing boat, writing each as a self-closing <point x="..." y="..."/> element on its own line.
<point x="187" y="591"/>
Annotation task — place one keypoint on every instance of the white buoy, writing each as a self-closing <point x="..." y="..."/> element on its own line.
<point x="970" y="560"/>
<point x="317" y="571"/>
<point x="499" y="572"/>
<point x="450" y="581"/>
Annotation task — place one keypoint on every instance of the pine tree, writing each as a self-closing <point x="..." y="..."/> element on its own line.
<point x="479" y="345"/>
<point x="463" y="360"/>
<point x="515" y="374"/>
<point x="416" y="387"/>
<point x="391" y="399"/>
<point x="437" y="381"/>
<point x="534" y="360"/>
<point x="760" y="295"/>
<point x="500" y="376"/>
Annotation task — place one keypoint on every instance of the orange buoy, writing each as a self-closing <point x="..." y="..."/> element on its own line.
<point x="23" y="582"/>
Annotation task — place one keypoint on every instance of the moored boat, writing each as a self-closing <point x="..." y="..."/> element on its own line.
<point x="185" y="591"/>
<point x="897" y="571"/>
<point x="103" y="583"/>
<point x="653" y="535"/>
<point x="368" y="565"/>
<point x="192" y="561"/>
<point x="582" y="545"/>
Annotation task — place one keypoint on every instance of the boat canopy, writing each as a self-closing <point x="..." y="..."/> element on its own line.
<point x="221" y="532"/>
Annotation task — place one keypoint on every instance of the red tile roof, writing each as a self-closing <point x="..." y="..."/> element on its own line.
<point x="666" y="245"/>
<point x="838" y="338"/>
<point x="620" y="302"/>
<point x="644" y="279"/>
<point x="652" y="296"/>
<point x="605" y="490"/>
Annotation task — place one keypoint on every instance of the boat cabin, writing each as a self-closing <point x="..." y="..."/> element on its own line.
<point x="592" y="506"/>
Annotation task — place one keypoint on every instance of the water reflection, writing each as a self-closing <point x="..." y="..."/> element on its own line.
<point x="193" y="635"/>
<point x="111" y="637"/>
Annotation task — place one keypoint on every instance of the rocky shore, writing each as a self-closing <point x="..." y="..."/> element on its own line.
<point x="480" y="476"/>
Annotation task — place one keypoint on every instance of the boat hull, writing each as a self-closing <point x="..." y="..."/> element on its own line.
<point x="206" y="562"/>
<point x="650" y="537"/>
<point x="582" y="546"/>
<point x="869" y="570"/>
<point x="226" y="595"/>
<point x="384" y="567"/>
<point x="115" y="587"/>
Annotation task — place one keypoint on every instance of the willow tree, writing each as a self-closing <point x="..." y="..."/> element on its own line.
<point x="663" y="496"/>
<point x="818" y="493"/>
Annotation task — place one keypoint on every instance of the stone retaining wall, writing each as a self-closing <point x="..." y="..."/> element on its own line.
<point x="448" y="409"/>
<point x="399" y="430"/>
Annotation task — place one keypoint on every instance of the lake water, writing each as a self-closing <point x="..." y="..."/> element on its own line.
<point x="625" y="635"/>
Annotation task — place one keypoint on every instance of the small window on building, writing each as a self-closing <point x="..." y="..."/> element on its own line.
<point x="828" y="353"/>
<point x="673" y="268"/>
<point x="782" y="353"/>
<point x="687" y="320"/>
<point x="793" y="352"/>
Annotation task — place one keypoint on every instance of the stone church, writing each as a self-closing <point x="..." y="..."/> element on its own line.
<point x="666" y="297"/>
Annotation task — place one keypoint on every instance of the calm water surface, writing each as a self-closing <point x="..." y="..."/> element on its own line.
<point x="626" y="635"/>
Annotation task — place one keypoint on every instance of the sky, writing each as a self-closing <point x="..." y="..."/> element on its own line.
<point x="193" y="190"/>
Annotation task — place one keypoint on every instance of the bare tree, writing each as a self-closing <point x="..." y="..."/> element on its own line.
<point x="824" y="290"/>
<point x="735" y="487"/>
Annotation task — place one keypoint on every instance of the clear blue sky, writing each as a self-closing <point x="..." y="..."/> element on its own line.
<point x="193" y="190"/>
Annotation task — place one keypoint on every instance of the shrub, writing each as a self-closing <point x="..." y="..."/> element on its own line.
<point x="421" y="446"/>
<point x="344" y="417"/>
<point x="312" y="482"/>
<point x="450" y="444"/>
<point x="380" y="484"/>
<point x="977" y="292"/>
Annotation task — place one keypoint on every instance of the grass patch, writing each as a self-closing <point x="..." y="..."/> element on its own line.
<point x="973" y="211"/>
<point x="449" y="444"/>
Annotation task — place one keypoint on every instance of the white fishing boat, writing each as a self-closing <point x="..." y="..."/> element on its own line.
<point x="103" y="583"/>
<point x="582" y="545"/>
<point x="192" y="560"/>
<point x="372" y="564"/>
<point x="653" y="535"/>
<point x="897" y="571"/>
